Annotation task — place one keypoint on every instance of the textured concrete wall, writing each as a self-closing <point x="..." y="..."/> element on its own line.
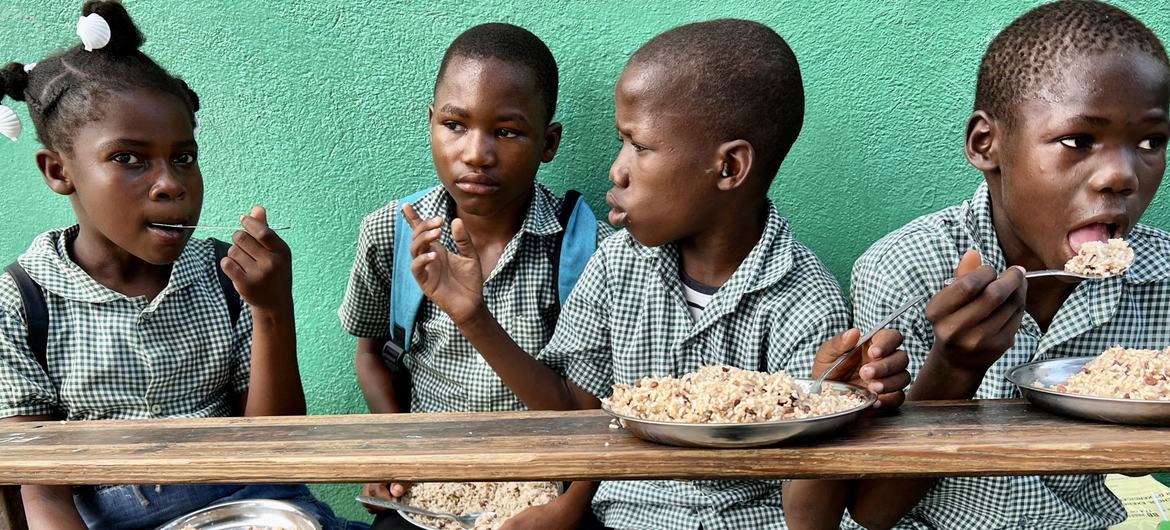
<point x="318" y="110"/>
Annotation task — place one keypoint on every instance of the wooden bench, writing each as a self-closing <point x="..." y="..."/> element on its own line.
<point x="931" y="439"/>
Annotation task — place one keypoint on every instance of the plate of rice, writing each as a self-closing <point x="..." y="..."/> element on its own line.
<point x="1119" y="386"/>
<point x="726" y="407"/>
<point x="500" y="500"/>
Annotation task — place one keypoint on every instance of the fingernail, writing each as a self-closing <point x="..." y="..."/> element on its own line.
<point x="876" y="388"/>
<point x="866" y="372"/>
<point x="876" y="352"/>
<point x="877" y="404"/>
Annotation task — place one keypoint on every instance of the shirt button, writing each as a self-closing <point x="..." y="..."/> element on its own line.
<point x="156" y="409"/>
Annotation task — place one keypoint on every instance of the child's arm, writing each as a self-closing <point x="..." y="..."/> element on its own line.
<point x="879" y="366"/>
<point x="48" y="507"/>
<point x="374" y="377"/>
<point x="454" y="282"/>
<point x="975" y="320"/>
<point x="566" y="511"/>
<point x="260" y="266"/>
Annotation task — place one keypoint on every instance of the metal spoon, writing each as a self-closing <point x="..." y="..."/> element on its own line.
<point x="466" y="521"/>
<point x="209" y="227"/>
<point x="1058" y="273"/>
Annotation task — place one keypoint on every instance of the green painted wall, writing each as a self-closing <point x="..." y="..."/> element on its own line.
<point x="318" y="110"/>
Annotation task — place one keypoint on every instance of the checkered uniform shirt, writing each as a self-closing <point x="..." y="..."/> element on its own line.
<point x="111" y="356"/>
<point x="628" y="319"/>
<point x="1133" y="310"/>
<point x="448" y="373"/>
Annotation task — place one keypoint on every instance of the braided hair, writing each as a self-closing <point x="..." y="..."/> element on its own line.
<point x="66" y="90"/>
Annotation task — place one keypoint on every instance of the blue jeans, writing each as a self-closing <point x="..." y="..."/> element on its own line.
<point x="147" y="506"/>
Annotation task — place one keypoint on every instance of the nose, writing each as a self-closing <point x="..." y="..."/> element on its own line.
<point x="1117" y="174"/>
<point x="479" y="149"/>
<point x="167" y="186"/>
<point x="619" y="173"/>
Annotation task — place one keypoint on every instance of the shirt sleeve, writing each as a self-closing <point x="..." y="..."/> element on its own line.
<point x="882" y="281"/>
<point x="820" y="313"/>
<point x="580" y="347"/>
<point x="27" y="389"/>
<point x="365" y="311"/>
<point x="242" y="375"/>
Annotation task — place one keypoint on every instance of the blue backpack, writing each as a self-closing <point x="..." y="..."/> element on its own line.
<point x="577" y="242"/>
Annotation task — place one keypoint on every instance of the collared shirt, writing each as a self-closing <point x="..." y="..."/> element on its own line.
<point x="112" y="356"/>
<point x="1130" y="310"/>
<point x="448" y="373"/>
<point x="628" y="319"/>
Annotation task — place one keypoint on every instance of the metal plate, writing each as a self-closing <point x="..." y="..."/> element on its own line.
<point x="240" y="515"/>
<point x="730" y="435"/>
<point x="1113" y="410"/>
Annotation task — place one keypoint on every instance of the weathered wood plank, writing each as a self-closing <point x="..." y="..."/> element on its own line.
<point x="999" y="437"/>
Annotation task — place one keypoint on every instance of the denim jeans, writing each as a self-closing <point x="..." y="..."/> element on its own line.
<point x="148" y="506"/>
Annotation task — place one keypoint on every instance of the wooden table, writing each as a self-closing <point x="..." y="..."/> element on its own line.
<point x="998" y="437"/>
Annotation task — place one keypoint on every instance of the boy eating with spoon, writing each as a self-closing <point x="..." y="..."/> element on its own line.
<point x="1069" y="130"/>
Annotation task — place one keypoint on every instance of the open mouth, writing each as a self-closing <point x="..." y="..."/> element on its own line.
<point x="1092" y="232"/>
<point x="168" y="233"/>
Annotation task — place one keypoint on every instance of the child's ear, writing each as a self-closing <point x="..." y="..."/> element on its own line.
<point x="982" y="144"/>
<point x="430" y="113"/>
<point x="735" y="161"/>
<point x="552" y="141"/>
<point x="52" y="168"/>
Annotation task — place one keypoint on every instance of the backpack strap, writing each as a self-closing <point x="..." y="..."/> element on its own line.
<point x="36" y="312"/>
<point x="234" y="303"/>
<point x="405" y="294"/>
<point x="577" y="242"/>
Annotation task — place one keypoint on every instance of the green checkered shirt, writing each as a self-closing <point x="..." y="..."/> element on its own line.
<point x="1133" y="310"/>
<point x="628" y="319"/>
<point x="448" y="373"/>
<point x="111" y="356"/>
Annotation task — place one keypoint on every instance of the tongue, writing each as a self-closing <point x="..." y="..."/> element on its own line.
<point x="1093" y="232"/>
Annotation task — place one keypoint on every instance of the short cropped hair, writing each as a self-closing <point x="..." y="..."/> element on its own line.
<point x="1036" y="47"/>
<point x="744" y="83"/>
<point x="511" y="44"/>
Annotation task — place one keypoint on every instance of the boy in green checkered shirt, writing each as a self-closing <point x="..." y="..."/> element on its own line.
<point x="1069" y="131"/>
<point x="491" y="129"/>
<point x="706" y="273"/>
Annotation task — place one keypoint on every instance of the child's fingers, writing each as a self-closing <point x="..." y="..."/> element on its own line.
<point x="426" y="241"/>
<point x="246" y="249"/>
<point x="398" y="489"/>
<point x="410" y="214"/>
<point x="233" y="270"/>
<point x="418" y="267"/>
<point x="260" y="213"/>
<point x="895" y="382"/>
<point x="960" y="294"/>
<point x="463" y="239"/>
<point x="258" y="229"/>
<point x="890" y="400"/>
<point x="970" y="261"/>
<point x="883" y="342"/>
<point x="834" y="347"/>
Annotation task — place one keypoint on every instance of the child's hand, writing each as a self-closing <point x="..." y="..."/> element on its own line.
<point x="976" y="318"/>
<point x="879" y="366"/>
<point x="556" y="514"/>
<point x="454" y="282"/>
<point x="391" y="492"/>
<point x="259" y="264"/>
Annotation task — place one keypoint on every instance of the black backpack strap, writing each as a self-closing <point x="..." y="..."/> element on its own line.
<point x="566" y="212"/>
<point x="234" y="304"/>
<point x="36" y="312"/>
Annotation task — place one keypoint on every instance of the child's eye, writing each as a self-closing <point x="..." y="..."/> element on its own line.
<point x="185" y="158"/>
<point x="126" y="158"/>
<point x="1077" y="142"/>
<point x="507" y="133"/>
<point x="453" y="126"/>
<point x="638" y="148"/>
<point x="1152" y="144"/>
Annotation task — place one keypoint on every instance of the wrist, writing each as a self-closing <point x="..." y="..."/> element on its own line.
<point x="942" y="379"/>
<point x="278" y="312"/>
<point x="476" y="317"/>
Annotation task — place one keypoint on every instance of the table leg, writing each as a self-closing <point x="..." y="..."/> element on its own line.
<point x="11" y="509"/>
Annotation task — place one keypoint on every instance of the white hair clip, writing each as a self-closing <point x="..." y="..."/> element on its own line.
<point x="28" y="67"/>
<point x="9" y="123"/>
<point x="94" y="32"/>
